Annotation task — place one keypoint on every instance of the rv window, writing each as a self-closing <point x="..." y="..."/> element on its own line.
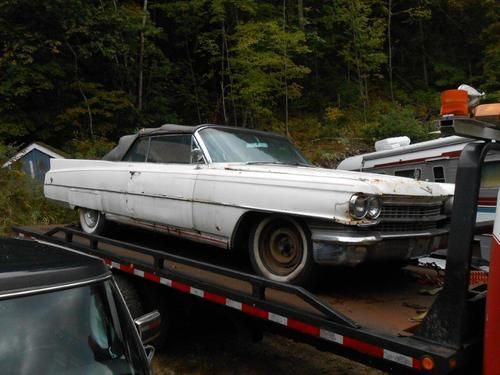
<point x="490" y="175"/>
<point x="410" y="173"/>
<point x="438" y="174"/>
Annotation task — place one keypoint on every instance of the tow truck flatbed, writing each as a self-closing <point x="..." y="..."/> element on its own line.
<point x="363" y="313"/>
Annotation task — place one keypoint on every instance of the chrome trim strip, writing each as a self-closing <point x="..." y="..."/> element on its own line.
<point x="54" y="287"/>
<point x="369" y="239"/>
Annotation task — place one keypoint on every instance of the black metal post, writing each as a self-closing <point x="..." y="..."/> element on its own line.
<point x="448" y="319"/>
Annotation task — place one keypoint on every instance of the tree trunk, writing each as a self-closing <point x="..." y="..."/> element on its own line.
<point x="193" y="77"/>
<point x="285" y="69"/>
<point x="300" y="11"/>
<point x="230" y="76"/>
<point x="389" y="43"/>
<point x="222" y="72"/>
<point x="141" y="58"/>
<point x="423" y="51"/>
<point x="82" y="93"/>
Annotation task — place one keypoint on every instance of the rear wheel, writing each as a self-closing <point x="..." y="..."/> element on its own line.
<point x="130" y="294"/>
<point x="281" y="250"/>
<point x="92" y="221"/>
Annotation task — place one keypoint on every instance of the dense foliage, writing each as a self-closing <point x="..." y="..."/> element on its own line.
<point x="22" y="202"/>
<point x="328" y="72"/>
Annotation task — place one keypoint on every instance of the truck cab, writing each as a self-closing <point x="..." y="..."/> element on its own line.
<point x="61" y="312"/>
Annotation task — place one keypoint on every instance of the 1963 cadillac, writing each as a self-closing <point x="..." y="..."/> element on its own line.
<point x="237" y="188"/>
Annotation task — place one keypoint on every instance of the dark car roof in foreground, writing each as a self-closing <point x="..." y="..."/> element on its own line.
<point x="28" y="265"/>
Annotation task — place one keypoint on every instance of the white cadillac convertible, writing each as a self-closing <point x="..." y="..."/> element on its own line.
<point x="237" y="188"/>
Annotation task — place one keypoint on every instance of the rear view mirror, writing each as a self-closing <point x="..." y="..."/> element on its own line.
<point x="148" y="326"/>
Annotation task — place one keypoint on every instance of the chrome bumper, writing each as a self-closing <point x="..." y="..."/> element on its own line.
<point x="349" y="248"/>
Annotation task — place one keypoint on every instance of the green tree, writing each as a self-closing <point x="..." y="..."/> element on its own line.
<point x="362" y="42"/>
<point x="259" y="62"/>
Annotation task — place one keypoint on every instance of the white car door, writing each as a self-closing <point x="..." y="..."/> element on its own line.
<point x="160" y="190"/>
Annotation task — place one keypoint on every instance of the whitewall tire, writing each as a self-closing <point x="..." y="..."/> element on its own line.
<point x="92" y="221"/>
<point x="281" y="250"/>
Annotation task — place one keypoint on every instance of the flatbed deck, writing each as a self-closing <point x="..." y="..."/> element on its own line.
<point x="384" y="299"/>
<point x="367" y="310"/>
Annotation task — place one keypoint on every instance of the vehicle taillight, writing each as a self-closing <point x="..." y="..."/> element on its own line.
<point x="428" y="363"/>
<point x="454" y="102"/>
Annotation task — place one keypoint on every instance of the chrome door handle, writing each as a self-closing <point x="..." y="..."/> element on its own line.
<point x="132" y="173"/>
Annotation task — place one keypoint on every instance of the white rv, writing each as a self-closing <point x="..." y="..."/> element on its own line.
<point x="434" y="160"/>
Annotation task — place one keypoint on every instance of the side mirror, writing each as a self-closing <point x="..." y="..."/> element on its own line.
<point x="197" y="156"/>
<point x="148" y="326"/>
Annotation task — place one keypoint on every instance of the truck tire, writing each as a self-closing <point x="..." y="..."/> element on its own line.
<point x="281" y="250"/>
<point x="92" y="221"/>
<point x="130" y="294"/>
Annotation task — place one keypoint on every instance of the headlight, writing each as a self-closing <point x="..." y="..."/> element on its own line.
<point x="448" y="206"/>
<point x="358" y="206"/>
<point x="361" y="206"/>
<point x="374" y="208"/>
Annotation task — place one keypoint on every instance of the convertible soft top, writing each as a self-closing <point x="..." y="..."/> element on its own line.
<point x="126" y="141"/>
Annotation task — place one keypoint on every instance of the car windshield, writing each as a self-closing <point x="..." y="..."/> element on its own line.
<point x="240" y="146"/>
<point x="73" y="331"/>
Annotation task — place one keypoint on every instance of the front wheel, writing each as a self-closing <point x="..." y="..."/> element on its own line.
<point x="281" y="250"/>
<point x="92" y="221"/>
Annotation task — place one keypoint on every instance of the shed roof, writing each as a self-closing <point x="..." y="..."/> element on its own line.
<point x="42" y="147"/>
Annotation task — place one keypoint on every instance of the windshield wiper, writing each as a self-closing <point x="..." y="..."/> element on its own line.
<point x="279" y="163"/>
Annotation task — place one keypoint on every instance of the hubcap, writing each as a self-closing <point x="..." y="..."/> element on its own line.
<point x="281" y="248"/>
<point x="91" y="217"/>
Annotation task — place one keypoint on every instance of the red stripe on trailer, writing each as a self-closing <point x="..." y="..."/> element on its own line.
<point x="215" y="298"/>
<point x="360" y="346"/>
<point x="181" y="286"/>
<point x="127" y="268"/>
<point x="152" y="277"/>
<point x="255" y="311"/>
<point x="364" y="347"/>
<point x="303" y="327"/>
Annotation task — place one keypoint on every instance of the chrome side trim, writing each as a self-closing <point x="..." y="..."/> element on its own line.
<point x="344" y="238"/>
<point x="20" y="293"/>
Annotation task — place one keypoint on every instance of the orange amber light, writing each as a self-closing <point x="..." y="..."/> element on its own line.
<point x="454" y="102"/>
<point x="427" y="363"/>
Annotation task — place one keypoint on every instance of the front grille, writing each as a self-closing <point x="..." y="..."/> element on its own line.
<point x="407" y="216"/>
<point x="409" y="212"/>
<point x="406" y="227"/>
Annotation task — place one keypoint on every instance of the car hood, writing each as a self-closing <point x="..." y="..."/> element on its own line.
<point x="364" y="182"/>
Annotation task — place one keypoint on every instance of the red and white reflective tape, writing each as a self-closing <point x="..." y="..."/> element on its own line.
<point x="360" y="346"/>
